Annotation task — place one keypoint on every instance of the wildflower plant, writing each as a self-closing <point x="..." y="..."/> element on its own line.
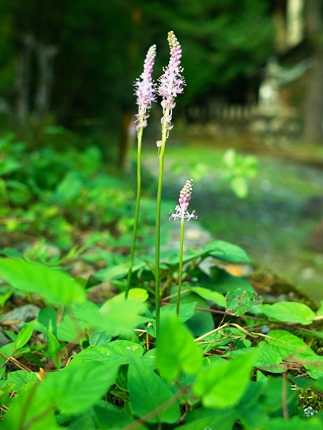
<point x="181" y="213"/>
<point x="229" y="362"/>
<point x="146" y="94"/>
<point x="169" y="86"/>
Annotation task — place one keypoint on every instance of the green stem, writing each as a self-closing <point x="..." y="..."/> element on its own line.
<point x="180" y="270"/>
<point x="158" y="208"/>
<point x="136" y="220"/>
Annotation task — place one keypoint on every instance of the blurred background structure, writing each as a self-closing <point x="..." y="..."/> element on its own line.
<point x="254" y="63"/>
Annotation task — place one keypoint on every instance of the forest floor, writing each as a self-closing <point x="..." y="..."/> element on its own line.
<point x="278" y="223"/>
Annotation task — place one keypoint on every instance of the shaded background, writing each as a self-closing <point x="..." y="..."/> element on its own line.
<point x="254" y="73"/>
<point x="74" y="62"/>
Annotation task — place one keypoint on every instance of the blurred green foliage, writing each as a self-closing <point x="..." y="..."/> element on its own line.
<point x="100" y="47"/>
<point x="55" y="194"/>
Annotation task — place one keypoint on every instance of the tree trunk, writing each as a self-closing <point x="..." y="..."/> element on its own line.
<point x="313" y="130"/>
<point x="23" y="78"/>
<point x="45" y="55"/>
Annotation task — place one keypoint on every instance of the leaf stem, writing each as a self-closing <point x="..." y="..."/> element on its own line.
<point x="180" y="269"/>
<point x="136" y="220"/>
<point x="158" y="209"/>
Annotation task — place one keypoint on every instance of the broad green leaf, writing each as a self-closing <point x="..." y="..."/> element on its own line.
<point x="48" y="317"/>
<point x="270" y="394"/>
<point x="70" y="330"/>
<point x="149" y="393"/>
<point x="78" y="387"/>
<point x="24" y="335"/>
<point x="186" y="310"/>
<point x="176" y="349"/>
<point x="39" y="412"/>
<point x="223" y="383"/>
<point x="314" y="366"/>
<point x="202" y="321"/>
<point x="5" y="295"/>
<point x="293" y="424"/>
<point x="218" y="249"/>
<point x="269" y="358"/>
<point x="6" y="351"/>
<point x="225" y="282"/>
<point x="251" y="412"/>
<point x="115" y="317"/>
<point x="101" y="337"/>
<point x="69" y="188"/>
<point x="227" y="251"/>
<point x="100" y="415"/>
<point x="53" y="348"/>
<point x="118" y="351"/>
<point x="241" y="301"/>
<point x="289" y="312"/>
<point x="281" y="345"/>
<point x="319" y="312"/>
<point x="77" y="321"/>
<point x="240" y="187"/>
<point x="54" y="286"/>
<point x="20" y="378"/>
<point x="215" y="419"/>
<point x="121" y="316"/>
<point x="207" y="294"/>
<point x="288" y="344"/>
<point x="138" y="294"/>
<point x="117" y="271"/>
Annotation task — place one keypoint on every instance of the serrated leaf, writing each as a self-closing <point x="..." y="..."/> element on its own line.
<point x="176" y="349"/>
<point x="289" y="312"/>
<point x="269" y="358"/>
<point x="281" y="345"/>
<point x="223" y="383"/>
<point x="288" y="344"/>
<point x="241" y="301"/>
<point x="53" y="285"/>
<point x="148" y="393"/>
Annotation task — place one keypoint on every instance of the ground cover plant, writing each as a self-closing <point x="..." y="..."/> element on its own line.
<point x="178" y="341"/>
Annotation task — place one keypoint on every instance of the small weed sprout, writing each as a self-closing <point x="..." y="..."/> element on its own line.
<point x="182" y="214"/>
<point x="145" y="91"/>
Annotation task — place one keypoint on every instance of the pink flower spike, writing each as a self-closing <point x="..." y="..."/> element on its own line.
<point x="181" y="211"/>
<point x="171" y="83"/>
<point x="145" y="89"/>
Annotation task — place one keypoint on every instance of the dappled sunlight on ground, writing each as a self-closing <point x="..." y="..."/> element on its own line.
<point x="275" y="221"/>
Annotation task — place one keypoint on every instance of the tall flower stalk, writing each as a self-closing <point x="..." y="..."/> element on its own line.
<point x="145" y="91"/>
<point x="170" y="84"/>
<point x="182" y="214"/>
